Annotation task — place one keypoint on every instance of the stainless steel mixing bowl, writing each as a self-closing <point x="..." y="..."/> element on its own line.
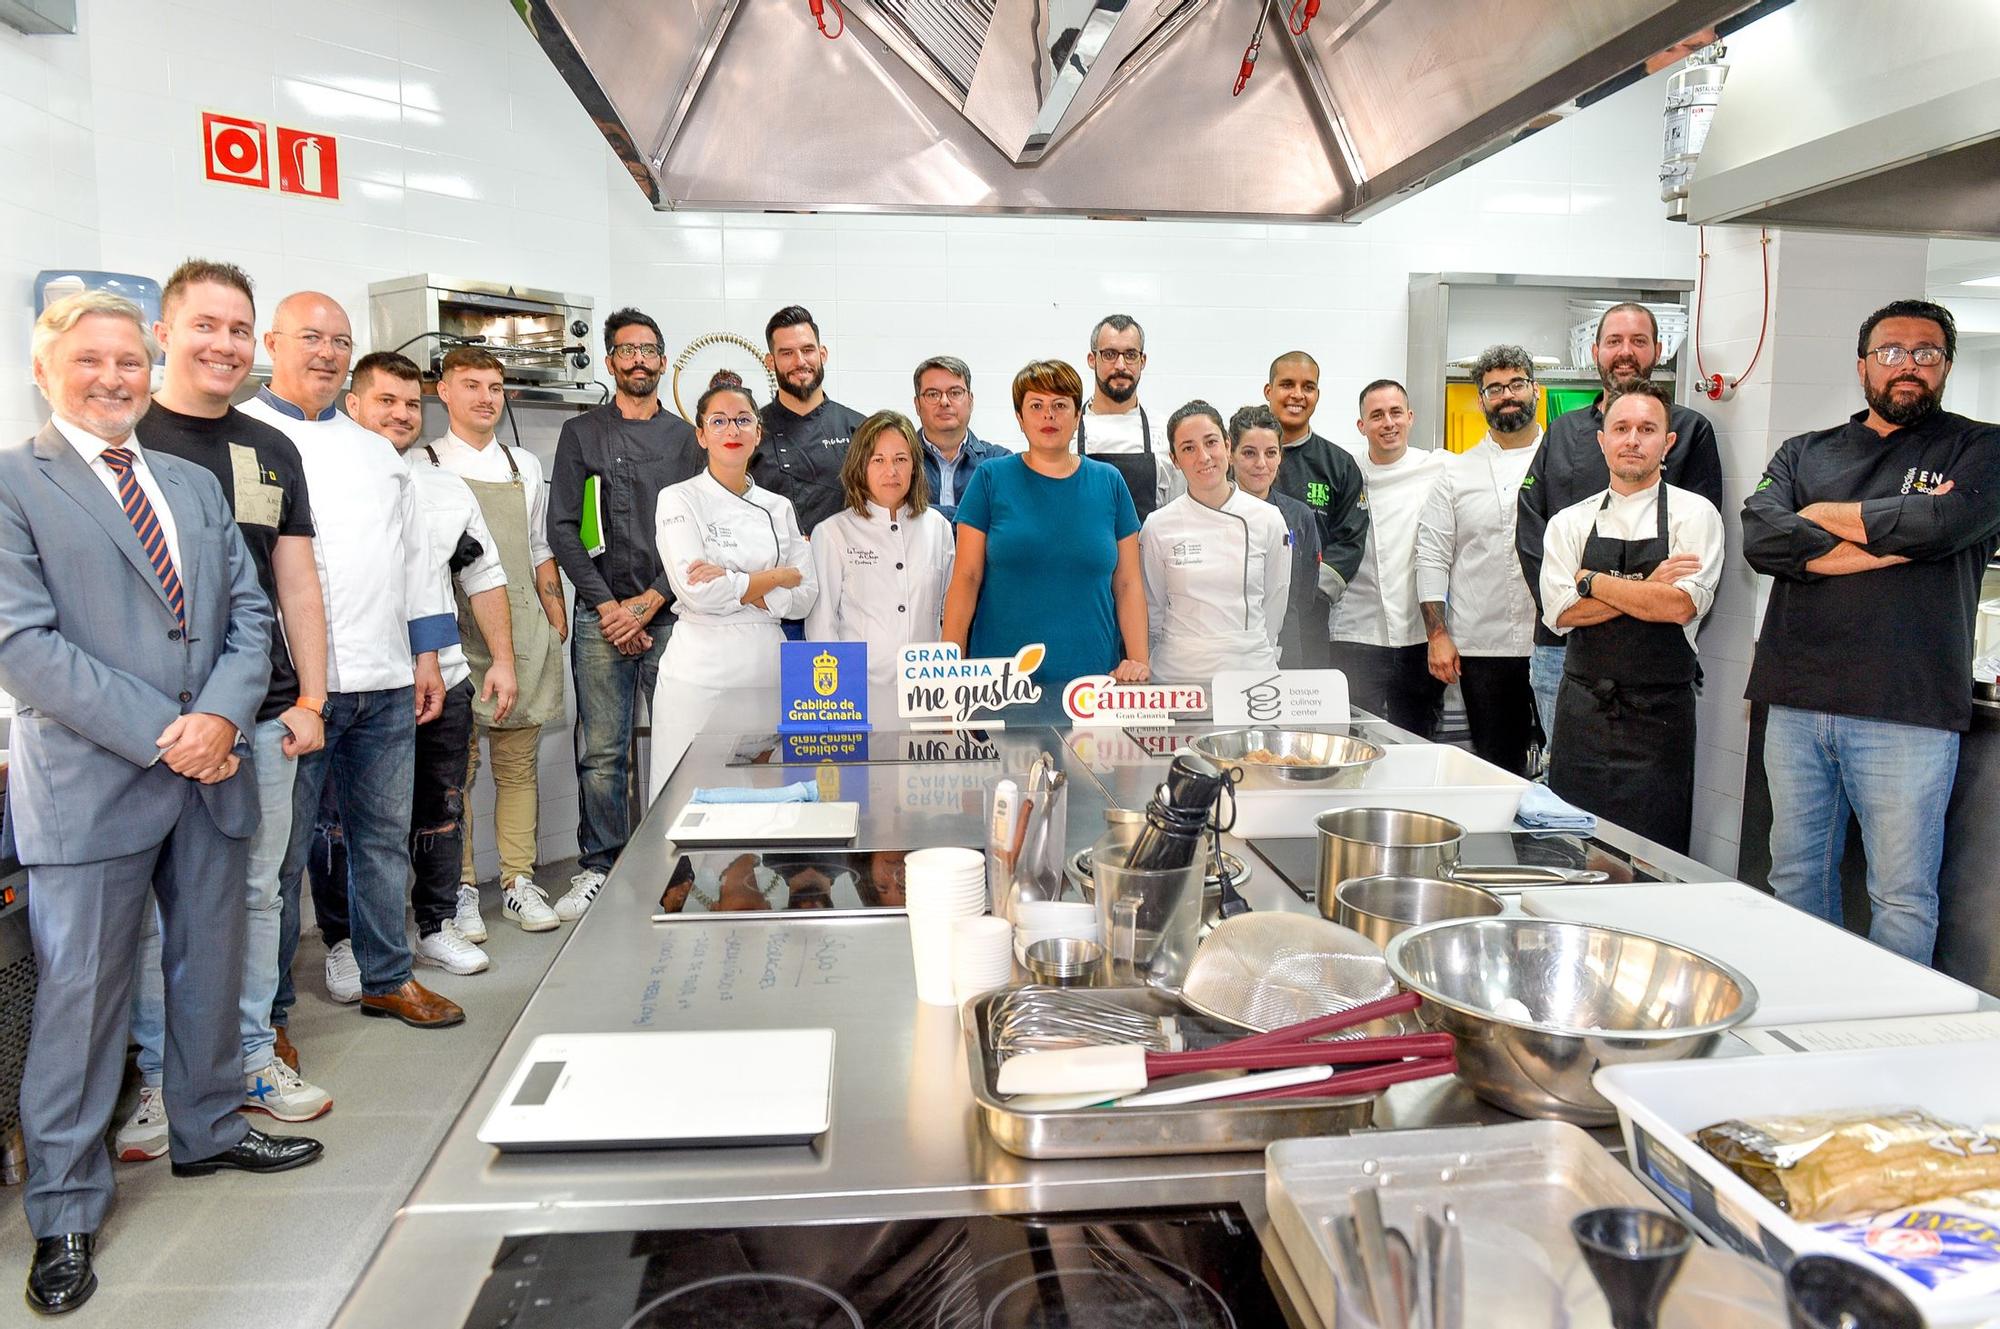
<point x="1383" y="908"/>
<point x="1331" y="761"/>
<point x="1537" y="1006"/>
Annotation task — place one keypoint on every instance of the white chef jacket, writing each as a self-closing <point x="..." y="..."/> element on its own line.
<point x="91" y="448"/>
<point x="449" y="510"/>
<point x="1380" y="606"/>
<point x="1217" y="583"/>
<point x="1110" y="435"/>
<point x="699" y="521"/>
<point x="490" y="464"/>
<point x="1693" y="527"/>
<point x="881" y="580"/>
<point x="369" y="546"/>
<point x="1465" y="550"/>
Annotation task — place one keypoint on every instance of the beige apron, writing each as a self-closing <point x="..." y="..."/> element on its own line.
<point x="538" y="660"/>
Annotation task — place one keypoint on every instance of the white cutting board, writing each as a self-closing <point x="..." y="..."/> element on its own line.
<point x="765" y="823"/>
<point x="1804" y="969"/>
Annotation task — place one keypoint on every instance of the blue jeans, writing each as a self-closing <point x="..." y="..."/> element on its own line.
<point x="1897" y="780"/>
<point x="263" y="919"/>
<point x="370" y="759"/>
<point x="608" y="688"/>
<point x="1545" y="676"/>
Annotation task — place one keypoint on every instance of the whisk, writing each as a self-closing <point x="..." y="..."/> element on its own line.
<point x="1042" y="1019"/>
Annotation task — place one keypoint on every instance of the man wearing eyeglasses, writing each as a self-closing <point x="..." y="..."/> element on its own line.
<point x="1114" y="427"/>
<point x="951" y="452"/>
<point x="611" y="464"/>
<point x="1569" y="467"/>
<point x="1876" y="533"/>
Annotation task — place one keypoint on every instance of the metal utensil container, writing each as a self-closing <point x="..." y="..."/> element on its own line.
<point x="1150" y="921"/>
<point x="1064" y="961"/>
<point x="1303" y="756"/>
<point x="1383" y="908"/>
<point x="1106" y="1132"/>
<point x="1382" y="842"/>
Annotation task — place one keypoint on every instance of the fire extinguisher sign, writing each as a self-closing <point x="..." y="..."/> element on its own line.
<point x="308" y="163"/>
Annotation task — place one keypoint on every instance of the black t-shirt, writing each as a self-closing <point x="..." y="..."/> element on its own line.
<point x="259" y="471"/>
<point x="1895" y="643"/>
<point x="801" y="456"/>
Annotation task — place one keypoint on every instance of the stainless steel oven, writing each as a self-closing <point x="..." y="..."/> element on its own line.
<point x="541" y="337"/>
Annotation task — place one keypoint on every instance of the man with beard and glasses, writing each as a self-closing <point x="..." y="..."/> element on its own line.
<point x="806" y="432"/>
<point x="1628" y="572"/>
<point x="1569" y="466"/>
<point x="1114" y="428"/>
<point x="611" y="464"/>
<point x="1877" y="532"/>
<point x="1477" y="612"/>
<point x="1320" y="474"/>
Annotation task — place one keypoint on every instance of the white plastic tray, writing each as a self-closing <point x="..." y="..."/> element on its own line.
<point x="1660" y="1106"/>
<point x="1416" y="777"/>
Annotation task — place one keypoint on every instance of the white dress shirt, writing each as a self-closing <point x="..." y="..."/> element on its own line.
<point x="369" y="546"/>
<point x="91" y="448"/>
<point x="1217" y="583"/>
<point x="1465" y="550"/>
<point x="1693" y="527"/>
<point x="490" y="464"/>
<point x="1380" y="605"/>
<point x="881" y="580"/>
<point x="449" y="510"/>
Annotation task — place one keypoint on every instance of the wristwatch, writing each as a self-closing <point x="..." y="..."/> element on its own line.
<point x="1583" y="586"/>
<point x="317" y="705"/>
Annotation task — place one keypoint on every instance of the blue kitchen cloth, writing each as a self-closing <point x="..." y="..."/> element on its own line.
<point x="805" y="791"/>
<point x="1542" y="810"/>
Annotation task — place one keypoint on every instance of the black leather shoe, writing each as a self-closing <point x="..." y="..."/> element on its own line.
<point x="256" y="1152"/>
<point x="61" y="1278"/>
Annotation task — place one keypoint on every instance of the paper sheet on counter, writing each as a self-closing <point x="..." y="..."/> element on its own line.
<point x="1864" y="1035"/>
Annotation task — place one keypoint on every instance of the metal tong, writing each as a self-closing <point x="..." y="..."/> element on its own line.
<point x="1396" y="1284"/>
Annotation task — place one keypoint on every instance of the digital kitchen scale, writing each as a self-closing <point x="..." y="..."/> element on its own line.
<point x="656" y="1090"/>
<point x="765" y="823"/>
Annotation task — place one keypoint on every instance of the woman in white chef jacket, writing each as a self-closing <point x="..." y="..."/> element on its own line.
<point x="1217" y="563"/>
<point x="739" y="567"/>
<point x="882" y="563"/>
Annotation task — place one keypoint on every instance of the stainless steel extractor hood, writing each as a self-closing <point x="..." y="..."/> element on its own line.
<point x="1859" y="115"/>
<point x="1106" y="107"/>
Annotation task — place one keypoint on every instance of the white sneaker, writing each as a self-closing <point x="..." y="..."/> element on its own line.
<point x="144" y="1135"/>
<point x="528" y="905"/>
<point x="448" y="949"/>
<point x="343" y="974"/>
<point x="283" y="1093"/>
<point x="471" y="925"/>
<point x="583" y="888"/>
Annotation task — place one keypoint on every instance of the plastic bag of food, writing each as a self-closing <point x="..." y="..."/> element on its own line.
<point x="1949" y="1246"/>
<point x="1840" y="1165"/>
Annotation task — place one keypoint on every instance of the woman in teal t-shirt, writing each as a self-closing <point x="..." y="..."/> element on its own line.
<point x="1048" y="548"/>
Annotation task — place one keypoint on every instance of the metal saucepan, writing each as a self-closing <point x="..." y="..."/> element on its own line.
<point x="1390" y="842"/>
<point x="1380" y="908"/>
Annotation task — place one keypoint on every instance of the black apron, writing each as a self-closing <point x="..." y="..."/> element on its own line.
<point x="1141" y="470"/>
<point x="1625" y="713"/>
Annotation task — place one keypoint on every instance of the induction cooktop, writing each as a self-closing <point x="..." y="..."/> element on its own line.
<point x="1156" y="1268"/>
<point x="829" y="882"/>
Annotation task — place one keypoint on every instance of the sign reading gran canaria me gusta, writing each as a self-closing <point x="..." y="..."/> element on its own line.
<point x="933" y="683"/>
<point x="822" y="685"/>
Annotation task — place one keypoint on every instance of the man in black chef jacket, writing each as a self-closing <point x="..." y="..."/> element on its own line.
<point x="806" y="432"/>
<point x="1626" y="573"/>
<point x="1877" y="532"/>
<point x="1570" y="466"/>
<point x="1320" y="474"/>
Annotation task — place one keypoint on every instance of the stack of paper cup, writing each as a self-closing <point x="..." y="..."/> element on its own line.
<point x="940" y="887"/>
<point x="982" y="956"/>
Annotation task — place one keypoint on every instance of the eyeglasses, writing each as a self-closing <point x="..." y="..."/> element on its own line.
<point x="1891" y="356"/>
<point x="312" y="341"/>
<point x="1121" y="357"/>
<point x="934" y="396"/>
<point x="629" y="351"/>
<point x="742" y="424"/>
<point x="1513" y="387"/>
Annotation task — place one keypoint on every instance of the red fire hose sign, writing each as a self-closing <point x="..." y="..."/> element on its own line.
<point x="239" y="152"/>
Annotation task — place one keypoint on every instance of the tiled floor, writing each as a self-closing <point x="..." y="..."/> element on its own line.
<point x="281" y="1252"/>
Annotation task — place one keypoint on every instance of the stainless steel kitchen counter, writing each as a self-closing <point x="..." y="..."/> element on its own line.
<point x="905" y="1139"/>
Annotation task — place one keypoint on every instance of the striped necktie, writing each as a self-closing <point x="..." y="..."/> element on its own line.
<point x="146" y="525"/>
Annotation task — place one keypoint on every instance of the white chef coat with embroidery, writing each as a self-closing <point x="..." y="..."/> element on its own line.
<point x="449" y="510"/>
<point x="1693" y="527"/>
<point x="718" y="641"/>
<point x="1217" y="582"/>
<point x="1465" y="550"/>
<point x="1380" y="606"/>
<point x="881" y="580"/>
<point x="369" y="546"/>
<point x="490" y="464"/>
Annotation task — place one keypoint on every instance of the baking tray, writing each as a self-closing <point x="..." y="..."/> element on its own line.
<point x="1515" y="1187"/>
<point x="1190" y="1128"/>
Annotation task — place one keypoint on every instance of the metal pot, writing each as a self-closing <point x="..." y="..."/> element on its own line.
<point x="1382" y="842"/>
<point x="1381" y="908"/>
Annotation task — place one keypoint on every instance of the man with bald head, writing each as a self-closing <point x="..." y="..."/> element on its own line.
<point x="1324" y="477"/>
<point x="382" y="673"/>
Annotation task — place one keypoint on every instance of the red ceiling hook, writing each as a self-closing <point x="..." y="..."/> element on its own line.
<point x="819" y="8"/>
<point x="1302" y="16"/>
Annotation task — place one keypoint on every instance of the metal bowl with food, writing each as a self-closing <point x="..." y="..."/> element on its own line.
<point x="1383" y="908"/>
<point x="1537" y="1006"/>
<point x="1291" y="756"/>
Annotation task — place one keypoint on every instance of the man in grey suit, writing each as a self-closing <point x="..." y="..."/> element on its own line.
<point x="134" y="638"/>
